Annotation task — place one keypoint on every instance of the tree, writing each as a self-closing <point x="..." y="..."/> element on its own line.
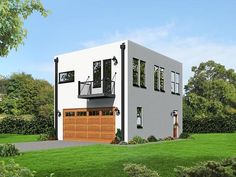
<point x="210" y="95"/>
<point x="25" y="95"/>
<point x="13" y="13"/>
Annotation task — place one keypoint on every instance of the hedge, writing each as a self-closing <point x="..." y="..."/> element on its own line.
<point x="17" y="125"/>
<point x="210" y="125"/>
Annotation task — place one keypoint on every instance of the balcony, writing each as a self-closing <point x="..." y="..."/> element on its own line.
<point x="98" y="89"/>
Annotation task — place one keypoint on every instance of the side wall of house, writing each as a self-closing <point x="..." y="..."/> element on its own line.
<point x="82" y="63"/>
<point x="157" y="106"/>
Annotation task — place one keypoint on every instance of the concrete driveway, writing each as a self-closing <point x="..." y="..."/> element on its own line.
<point x="43" y="145"/>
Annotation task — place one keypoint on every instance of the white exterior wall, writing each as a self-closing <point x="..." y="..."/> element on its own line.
<point x="82" y="63"/>
<point x="157" y="106"/>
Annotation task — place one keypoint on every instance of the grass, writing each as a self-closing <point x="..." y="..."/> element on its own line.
<point x="14" y="138"/>
<point x="108" y="160"/>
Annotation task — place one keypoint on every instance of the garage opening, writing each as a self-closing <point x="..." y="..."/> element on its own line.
<point x="89" y="124"/>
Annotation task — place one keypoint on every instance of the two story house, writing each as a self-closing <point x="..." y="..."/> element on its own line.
<point x="120" y="86"/>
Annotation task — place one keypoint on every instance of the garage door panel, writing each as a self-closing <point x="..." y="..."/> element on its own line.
<point x="81" y="121"/>
<point x="105" y="128"/>
<point x="92" y="120"/>
<point x="93" y="135"/>
<point x="82" y="134"/>
<point x="94" y="128"/>
<point x="69" y="134"/>
<point x="107" y="135"/>
<point x="81" y="127"/>
<point x="70" y="121"/>
<point x="107" y="121"/>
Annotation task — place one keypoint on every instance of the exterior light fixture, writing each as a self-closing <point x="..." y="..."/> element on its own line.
<point x="115" y="60"/>
<point x="117" y="111"/>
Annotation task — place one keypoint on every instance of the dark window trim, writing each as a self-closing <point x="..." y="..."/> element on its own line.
<point x="142" y="61"/>
<point x="158" y="79"/>
<point x="134" y="84"/>
<point x="175" y="93"/>
<point x="162" y="90"/>
<point x="63" y="82"/>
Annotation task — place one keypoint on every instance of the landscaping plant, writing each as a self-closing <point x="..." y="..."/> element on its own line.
<point x="152" y="139"/>
<point x="137" y="170"/>
<point x="137" y="140"/>
<point x="184" y="135"/>
<point x="7" y="150"/>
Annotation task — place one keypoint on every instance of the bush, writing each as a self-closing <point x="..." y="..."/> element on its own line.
<point x="13" y="169"/>
<point x="17" y="125"/>
<point x="137" y="140"/>
<point x="137" y="170"/>
<point x="43" y="137"/>
<point x="168" y="138"/>
<point x="226" y="168"/>
<point x="184" y="135"/>
<point x="152" y="139"/>
<point x="7" y="150"/>
<point x="116" y="140"/>
<point x="118" y="137"/>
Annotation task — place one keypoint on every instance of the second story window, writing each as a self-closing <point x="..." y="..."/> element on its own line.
<point x="139" y="73"/>
<point x="156" y="78"/>
<point x="142" y="74"/>
<point x="97" y="74"/>
<point x="162" y="80"/>
<point x="65" y="77"/>
<point x="175" y="82"/>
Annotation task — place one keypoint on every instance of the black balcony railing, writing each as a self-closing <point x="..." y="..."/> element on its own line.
<point x="98" y="89"/>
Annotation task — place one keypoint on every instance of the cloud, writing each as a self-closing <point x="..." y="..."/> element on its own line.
<point x="190" y="50"/>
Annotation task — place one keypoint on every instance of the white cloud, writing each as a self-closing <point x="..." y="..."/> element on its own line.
<point x="191" y="51"/>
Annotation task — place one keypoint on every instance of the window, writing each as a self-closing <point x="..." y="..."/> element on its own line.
<point x="107" y="112"/>
<point x="94" y="113"/>
<point x="162" y="81"/>
<point x="175" y="82"/>
<point x="69" y="114"/>
<point x="135" y="72"/>
<point x="172" y="82"/>
<point x="97" y="74"/>
<point x="139" y="117"/>
<point x="139" y="73"/>
<point x="156" y="78"/>
<point x="142" y="74"/>
<point x="82" y="113"/>
<point x="65" y="77"/>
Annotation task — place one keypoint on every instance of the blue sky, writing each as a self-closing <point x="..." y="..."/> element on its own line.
<point x="187" y="30"/>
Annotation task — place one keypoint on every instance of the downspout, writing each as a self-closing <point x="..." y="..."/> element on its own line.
<point x="122" y="47"/>
<point x="56" y="98"/>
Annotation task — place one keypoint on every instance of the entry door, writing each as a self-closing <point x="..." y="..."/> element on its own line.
<point x="107" y="76"/>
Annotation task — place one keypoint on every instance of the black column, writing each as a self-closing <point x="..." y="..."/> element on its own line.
<point x="56" y="98"/>
<point x="122" y="47"/>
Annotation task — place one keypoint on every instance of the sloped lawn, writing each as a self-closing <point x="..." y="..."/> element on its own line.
<point x="14" y="138"/>
<point x="108" y="160"/>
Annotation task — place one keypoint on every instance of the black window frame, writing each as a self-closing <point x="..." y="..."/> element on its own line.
<point x="176" y="83"/>
<point x="172" y="82"/>
<point x="141" y="117"/>
<point x="66" y="81"/>
<point x="142" y="74"/>
<point x="162" y="79"/>
<point x="136" y="72"/>
<point x="156" y="80"/>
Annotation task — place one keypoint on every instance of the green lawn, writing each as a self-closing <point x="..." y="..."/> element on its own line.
<point x="108" y="160"/>
<point x="14" y="138"/>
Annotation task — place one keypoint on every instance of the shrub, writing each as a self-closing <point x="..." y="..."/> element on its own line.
<point x="7" y="150"/>
<point x="43" y="137"/>
<point x="184" y="135"/>
<point x="137" y="170"/>
<point x="13" y="169"/>
<point x="115" y="141"/>
<point x="225" y="168"/>
<point x="152" y="139"/>
<point x="118" y="137"/>
<point x="168" y="138"/>
<point x="137" y="140"/>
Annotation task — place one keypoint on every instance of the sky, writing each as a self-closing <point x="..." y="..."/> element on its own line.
<point x="190" y="31"/>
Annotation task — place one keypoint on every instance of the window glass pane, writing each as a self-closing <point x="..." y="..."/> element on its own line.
<point x="177" y="77"/>
<point x="162" y="79"/>
<point x="135" y="71"/>
<point x="139" y="117"/>
<point x="156" y="78"/>
<point x="172" y="76"/>
<point x="65" y="77"/>
<point x="94" y="113"/>
<point x="70" y="113"/>
<point x="82" y="113"/>
<point x="97" y="74"/>
<point x="176" y="88"/>
<point x="142" y="73"/>
<point x="172" y="87"/>
<point x="107" y="112"/>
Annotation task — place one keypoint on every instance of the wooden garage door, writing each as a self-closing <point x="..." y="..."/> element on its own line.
<point x="97" y="124"/>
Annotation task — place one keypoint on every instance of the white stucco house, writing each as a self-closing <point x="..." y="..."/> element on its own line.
<point x="121" y="85"/>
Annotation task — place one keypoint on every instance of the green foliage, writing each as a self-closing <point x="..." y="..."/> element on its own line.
<point x="17" y="125"/>
<point x="7" y="150"/>
<point x="13" y="169"/>
<point x="137" y="170"/>
<point x="137" y="140"/>
<point x="123" y="143"/>
<point x="43" y="137"/>
<point x="152" y="139"/>
<point x="184" y="135"/>
<point x="210" y="101"/>
<point x="12" y="16"/>
<point x="225" y="168"/>
<point x="25" y="95"/>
